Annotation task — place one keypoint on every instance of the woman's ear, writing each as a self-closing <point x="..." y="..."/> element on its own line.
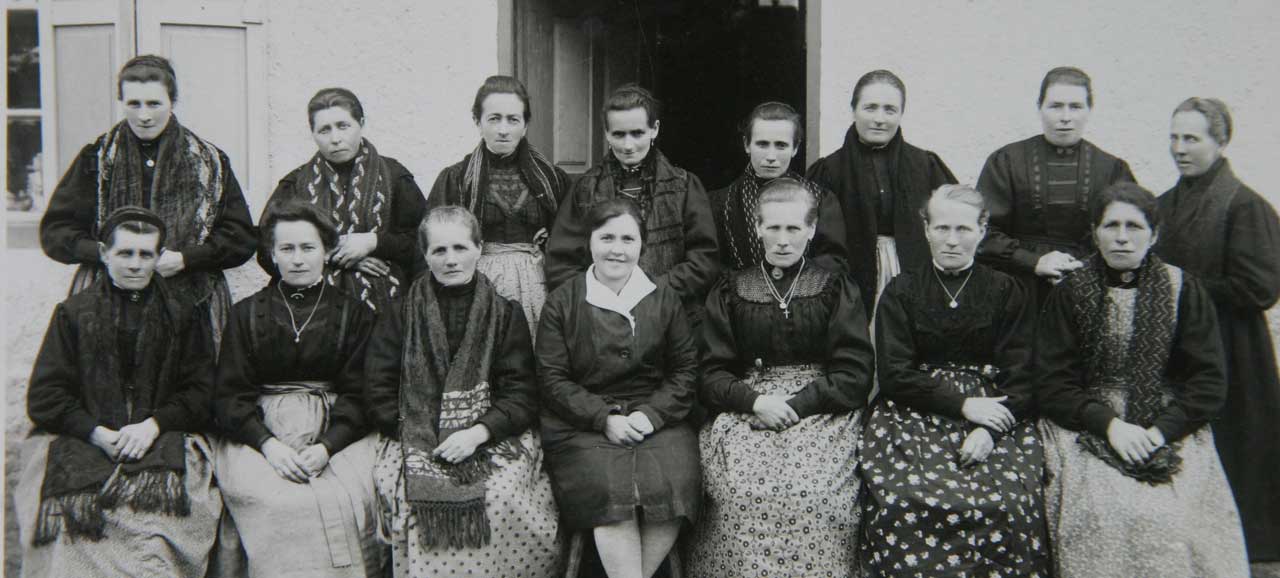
<point x="102" y="252"/>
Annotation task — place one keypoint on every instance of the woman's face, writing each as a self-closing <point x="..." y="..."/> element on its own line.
<point x="878" y="113"/>
<point x="147" y="107"/>
<point x="615" y="249"/>
<point x="298" y="253"/>
<point x="131" y="259"/>
<point x="630" y="135"/>
<point x="1123" y="236"/>
<point x="337" y="134"/>
<point x="771" y="146"/>
<point x="954" y="232"/>
<point x="1193" y="150"/>
<point x="451" y="254"/>
<point x="783" y="232"/>
<point x="502" y="122"/>
<point x="1064" y="114"/>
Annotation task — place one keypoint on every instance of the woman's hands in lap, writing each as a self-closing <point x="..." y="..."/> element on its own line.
<point x="773" y="412"/>
<point x="989" y="412"/>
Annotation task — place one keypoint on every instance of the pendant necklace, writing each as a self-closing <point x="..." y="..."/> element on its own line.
<point x="784" y="302"/>
<point x="293" y="323"/>
<point x="149" y="160"/>
<point x="954" y="298"/>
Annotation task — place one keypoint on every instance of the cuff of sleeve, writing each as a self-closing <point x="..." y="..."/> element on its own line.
<point x="805" y="403"/>
<point x="257" y="434"/>
<point x="86" y="250"/>
<point x="384" y="247"/>
<point x="1097" y="417"/>
<point x="1171" y="429"/>
<point x="499" y="428"/>
<point x="337" y="437"/>
<point x="653" y="416"/>
<point x="80" y="426"/>
<point x="745" y="402"/>
<point x="168" y="418"/>
<point x="1026" y="259"/>
<point x="196" y="256"/>
<point x="597" y="422"/>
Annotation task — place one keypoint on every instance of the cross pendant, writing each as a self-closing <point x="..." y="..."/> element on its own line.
<point x="786" y="312"/>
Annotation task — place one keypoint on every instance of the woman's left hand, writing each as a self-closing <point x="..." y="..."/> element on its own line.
<point x="977" y="446"/>
<point x="353" y="247"/>
<point x="461" y="445"/>
<point x="373" y="266"/>
<point x="315" y="458"/>
<point x="641" y="422"/>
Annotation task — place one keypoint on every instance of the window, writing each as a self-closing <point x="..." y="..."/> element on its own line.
<point x="25" y="191"/>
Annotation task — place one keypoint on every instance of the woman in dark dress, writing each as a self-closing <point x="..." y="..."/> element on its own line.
<point x="881" y="182"/>
<point x="1129" y="370"/>
<point x="1220" y="230"/>
<point x="951" y="459"/>
<point x="1039" y="189"/>
<point x="294" y="465"/>
<point x="150" y="160"/>
<point x="680" y="234"/>
<point x="452" y="388"/>
<point x="788" y="363"/>
<point x="512" y="189"/>
<point x="372" y="200"/>
<point x="771" y="135"/>
<point x="618" y="370"/>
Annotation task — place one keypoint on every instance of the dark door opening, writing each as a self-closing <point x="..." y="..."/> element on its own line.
<point x="709" y="62"/>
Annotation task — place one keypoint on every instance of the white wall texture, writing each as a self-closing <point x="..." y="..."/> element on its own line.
<point x="973" y="71"/>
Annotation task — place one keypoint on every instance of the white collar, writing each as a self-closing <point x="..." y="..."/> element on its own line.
<point x="637" y="288"/>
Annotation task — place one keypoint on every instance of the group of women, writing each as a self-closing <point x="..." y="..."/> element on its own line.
<point x="473" y="376"/>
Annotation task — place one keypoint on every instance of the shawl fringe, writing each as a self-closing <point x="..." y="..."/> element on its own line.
<point x="452" y="524"/>
<point x="1160" y="467"/>
<point x="154" y="491"/>
<point x="79" y="514"/>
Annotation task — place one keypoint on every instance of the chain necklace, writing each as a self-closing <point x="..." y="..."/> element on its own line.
<point x="954" y="298"/>
<point x="293" y="323"/>
<point x="784" y="302"/>
<point x="149" y="160"/>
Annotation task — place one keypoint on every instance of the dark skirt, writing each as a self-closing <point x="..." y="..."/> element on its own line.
<point x="597" y="482"/>
<point x="924" y="515"/>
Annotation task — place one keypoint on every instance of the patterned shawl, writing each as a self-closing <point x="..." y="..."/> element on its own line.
<point x="440" y="395"/>
<point x="739" y="217"/>
<point x="538" y="173"/>
<point x="1139" y="363"/>
<point x="80" y="481"/>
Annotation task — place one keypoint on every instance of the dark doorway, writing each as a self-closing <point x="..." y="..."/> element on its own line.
<point x="709" y="62"/>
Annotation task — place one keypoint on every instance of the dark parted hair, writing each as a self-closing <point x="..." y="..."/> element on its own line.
<point x="878" y="77"/>
<point x="148" y="68"/>
<point x="447" y="214"/>
<point x="1215" y="111"/>
<point x="1125" y="192"/>
<point x="629" y="96"/>
<point x="135" y="219"/>
<point x="603" y="212"/>
<point x="327" y="98"/>
<point x="787" y="190"/>
<point x="1070" y="76"/>
<point x="966" y="194"/>
<point x="773" y="110"/>
<point x="292" y="212"/>
<point x="499" y="84"/>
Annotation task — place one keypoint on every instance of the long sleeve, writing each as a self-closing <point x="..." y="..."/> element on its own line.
<point x="383" y="359"/>
<point x="831" y="242"/>
<point x="399" y="242"/>
<point x="850" y="360"/>
<point x="513" y="381"/>
<point x="1013" y="353"/>
<point x="347" y="421"/>
<point x="233" y="239"/>
<point x="722" y="389"/>
<point x="560" y="393"/>
<point x="1196" y="366"/>
<point x="692" y="277"/>
<point x="897" y="361"/>
<point x="66" y="230"/>
<point x="674" y="398"/>
<point x="53" y="397"/>
<point x="568" y="253"/>
<point x="1060" y="369"/>
<point x="996" y="184"/>
<point x="1252" y="279"/>
<point x="235" y="403"/>
<point x="190" y="407"/>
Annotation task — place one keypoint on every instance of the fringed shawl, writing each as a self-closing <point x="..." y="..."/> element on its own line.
<point x="536" y="171"/>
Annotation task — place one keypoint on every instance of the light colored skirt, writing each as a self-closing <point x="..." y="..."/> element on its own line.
<point x="524" y="540"/>
<point x="323" y="529"/>
<point x="1103" y="523"/>
<point x="887" y="265"/>
<point x="136" y="544"/>
<point x="778" y="503"/>
<point x="516" y="272"/>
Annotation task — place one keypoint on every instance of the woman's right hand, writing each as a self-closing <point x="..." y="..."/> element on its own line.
<point x="618" y="429"/>
<point x="286" y="462"/>
<point x="105" y="439"/>
<point x="1130" y="441"/>
<point x="774" y="412"/>
<point x="989" y="412"/>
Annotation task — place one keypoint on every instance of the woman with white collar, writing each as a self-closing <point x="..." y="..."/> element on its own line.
<point x="617" y="366"/>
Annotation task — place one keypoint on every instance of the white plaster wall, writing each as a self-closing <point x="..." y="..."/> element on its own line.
<point x="973" y="70"/>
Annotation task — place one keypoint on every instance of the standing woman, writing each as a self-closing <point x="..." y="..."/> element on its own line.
<point x="680" y="234"/>
<point x="618" y="371"/>
<point x="296" y="461"/>
<point x="1039" y="189"/>
<point x="789" y="363"/>
<point x="1129" y="372"/>
<point x="882" y="182"/>
<point x="512" y="189"/>
<point x="1229" y="237"/>
<point x="952" y="462"/>
<point x="152" y="161"/>
<point x="771" y="134"/>
<point x="452" y="387"/>
<point x="371" y="199"/>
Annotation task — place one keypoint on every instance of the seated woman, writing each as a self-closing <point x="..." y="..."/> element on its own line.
<point x="618" y="366"/>
<point x="1129" y="372"/>
<point x="119" y="395"/>
<point x="295" y="465"/>
<point x="951" y="462"/>
<point x="788" y="362"/>
<point x="452" y="387"/>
